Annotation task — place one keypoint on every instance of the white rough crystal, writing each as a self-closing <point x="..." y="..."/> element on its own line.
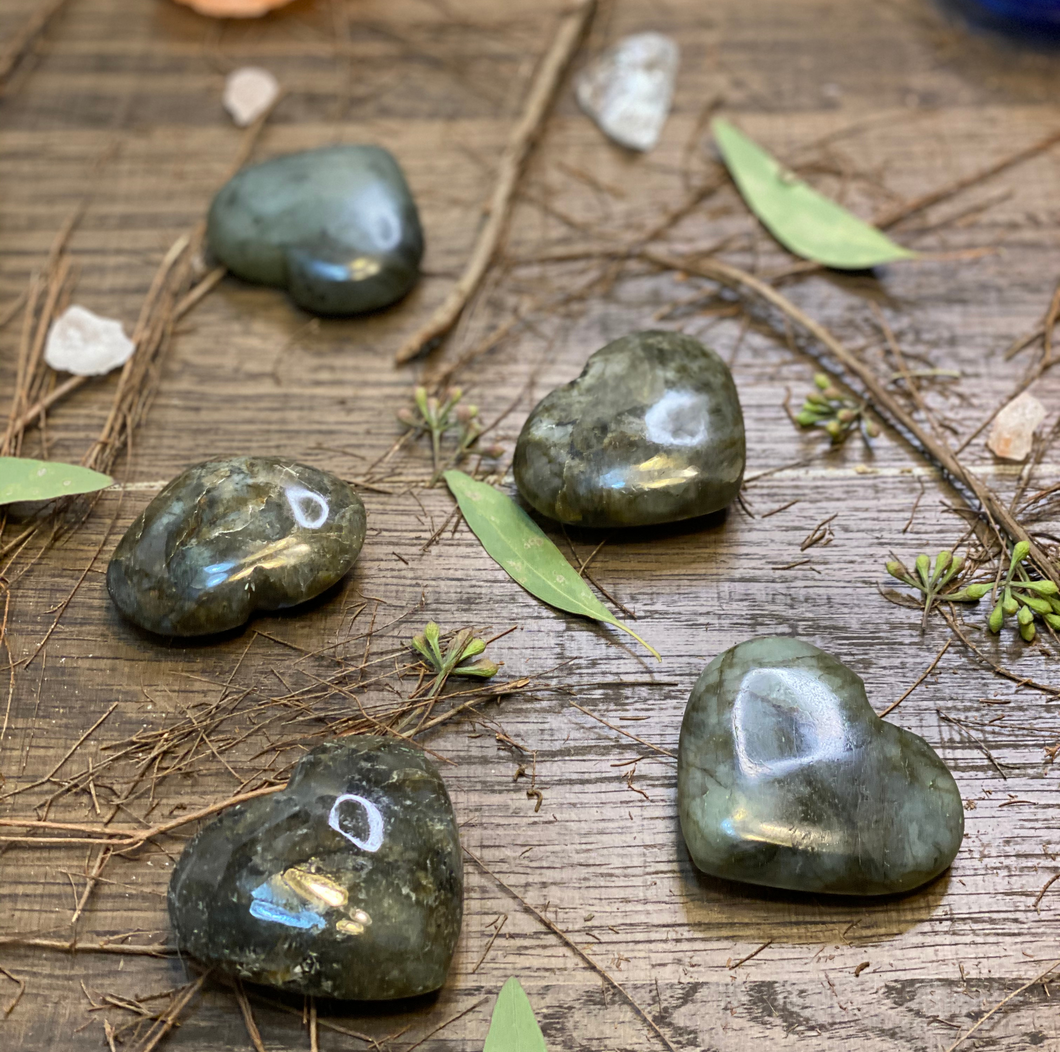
<point x="85" y="344"/>
<point x="628" y="89"/>
<point x="1012" y="434"/>
<point x="249" y="92"/>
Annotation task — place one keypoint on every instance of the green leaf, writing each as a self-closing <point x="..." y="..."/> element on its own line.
<point x="801" y="219"/>
<point x="519" y="545"/>
<point x="24" y="479"/>
<point x="513" y="1027"/>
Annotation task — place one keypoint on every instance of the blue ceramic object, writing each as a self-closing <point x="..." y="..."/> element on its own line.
<point x="1027" y="14"/>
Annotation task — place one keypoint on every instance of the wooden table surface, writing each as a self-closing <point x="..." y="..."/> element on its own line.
<point x="118" y="106"/>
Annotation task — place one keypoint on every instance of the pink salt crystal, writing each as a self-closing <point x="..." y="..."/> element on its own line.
<point x="1012" y="435"/>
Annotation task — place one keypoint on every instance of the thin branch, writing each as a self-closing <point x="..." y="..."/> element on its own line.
<point x="565" y="938"/>
<point x="884" y="402"/>
<point x="521" y="142"/>
<point x="24" y="38"/>
<point x="1001" y="1004"/>
<point x="927" y="672"/>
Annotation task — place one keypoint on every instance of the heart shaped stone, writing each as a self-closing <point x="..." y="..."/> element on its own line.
<point x="348" y="883"/>
<point x="337" y="227"/>
<point x="786" y="777"/>
<point x="228" y="537"/>
<point x="651" y="432"/>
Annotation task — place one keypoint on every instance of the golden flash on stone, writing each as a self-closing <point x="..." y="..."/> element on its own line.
<point x="315" y="887"/>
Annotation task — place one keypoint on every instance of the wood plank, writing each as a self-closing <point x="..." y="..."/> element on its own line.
<point x="911" y="101"/>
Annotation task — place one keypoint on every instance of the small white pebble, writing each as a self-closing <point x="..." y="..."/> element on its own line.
<point x="249" y="92"/>
<point x="85" y="344"/>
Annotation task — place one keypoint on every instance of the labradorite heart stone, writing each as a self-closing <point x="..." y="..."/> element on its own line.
<point x="650" y="432"/>
<point x="348" y="883"/>
<point x="337" y="227"/>
<point x="786" y="777"/>
<point x="229" y="537"/>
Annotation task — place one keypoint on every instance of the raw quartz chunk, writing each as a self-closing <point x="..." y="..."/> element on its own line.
<point x="85" y="344"/>
<point x="249" y="92"/>
<point x="1012" y="434"/>
<point x="628" y="90"/>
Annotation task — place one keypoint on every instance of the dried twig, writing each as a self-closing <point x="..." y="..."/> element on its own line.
<point x="123" y="839"/>
<point x="1045" y="887"/>
<point x="568" y="941"/>
<point x="924" y="675"/>
<point x="933" y="197"/>
<point x="22" y="41"/>
<point x="884" y="402"/>
<point x="521" y="142"/>
<point x="1001" y="1004"/>
<point x="647" y="744"/>
<point x="248" y="1017"/>
<point x="750" y="956"/>
<point x="82" y="946"/>
<point x="169" y="1017"/>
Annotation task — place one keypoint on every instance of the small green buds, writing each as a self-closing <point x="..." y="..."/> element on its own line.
<point x="1024" y="597"/>
<point x="997" y="618"/>
<point x="896" y="569"/>
<point x="932" y="576"/>
<point x="437" y="416"/>
<point x="832" y="411"/>
<point x="462" y="648"/>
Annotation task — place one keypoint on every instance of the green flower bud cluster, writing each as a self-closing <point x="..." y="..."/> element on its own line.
<point x="437" y="416"/>
<point x="829" y="408"/>
<point x="1018" y="594"/>
<point x="1015" y="594"/>
<point x="454" y="660"/>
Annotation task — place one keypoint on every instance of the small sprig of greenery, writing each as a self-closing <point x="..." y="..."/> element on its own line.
<point x="1020" y="595"/>
<point x="462" y="648"/>
<point x="437" y="416"/>
<point x="931" y="578"/>
<point x="1017" y="593"/>
<point x="829" y="408"/>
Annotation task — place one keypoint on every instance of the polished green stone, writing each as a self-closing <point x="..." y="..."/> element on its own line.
<point x="786" y="777"/>
<point x="650" y="432"/>
<point x="229" y="537"/>
<point x="348" y="883"/>
<point x="337" y="227"/>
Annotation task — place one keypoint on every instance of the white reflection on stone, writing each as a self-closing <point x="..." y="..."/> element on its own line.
<point x="310" y="510"/>
<point x="371" y="812"/>
<point x="784" y="719"/>
<point x="679" y="418"/>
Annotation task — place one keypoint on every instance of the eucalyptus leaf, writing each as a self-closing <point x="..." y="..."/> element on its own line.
<point x="519" y="545"/>
<point x="25" y="479"/>
<point x="801" y="219"/>
<point x="513" y="1027"/>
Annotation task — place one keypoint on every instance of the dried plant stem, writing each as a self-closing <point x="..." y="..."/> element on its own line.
<point x="884" y="402"/>
<point x="521" y="142"/>
<point x="566" y="939"/>
<point x="124" y="839"/>
<point x="24" y="38"/>
<point x="924" y="675"/>
<point x="918" y="204"/>
<point x="1020" y="681"/>
<point x="80" y="946"/>
<point x="169" y="1017"/>
<point x="30" y="416"/>
<point x="1001" y="1004"/>
<point x="248" y="1018"/>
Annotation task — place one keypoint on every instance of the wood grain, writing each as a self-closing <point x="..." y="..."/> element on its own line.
<point x="901" y="99"/>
